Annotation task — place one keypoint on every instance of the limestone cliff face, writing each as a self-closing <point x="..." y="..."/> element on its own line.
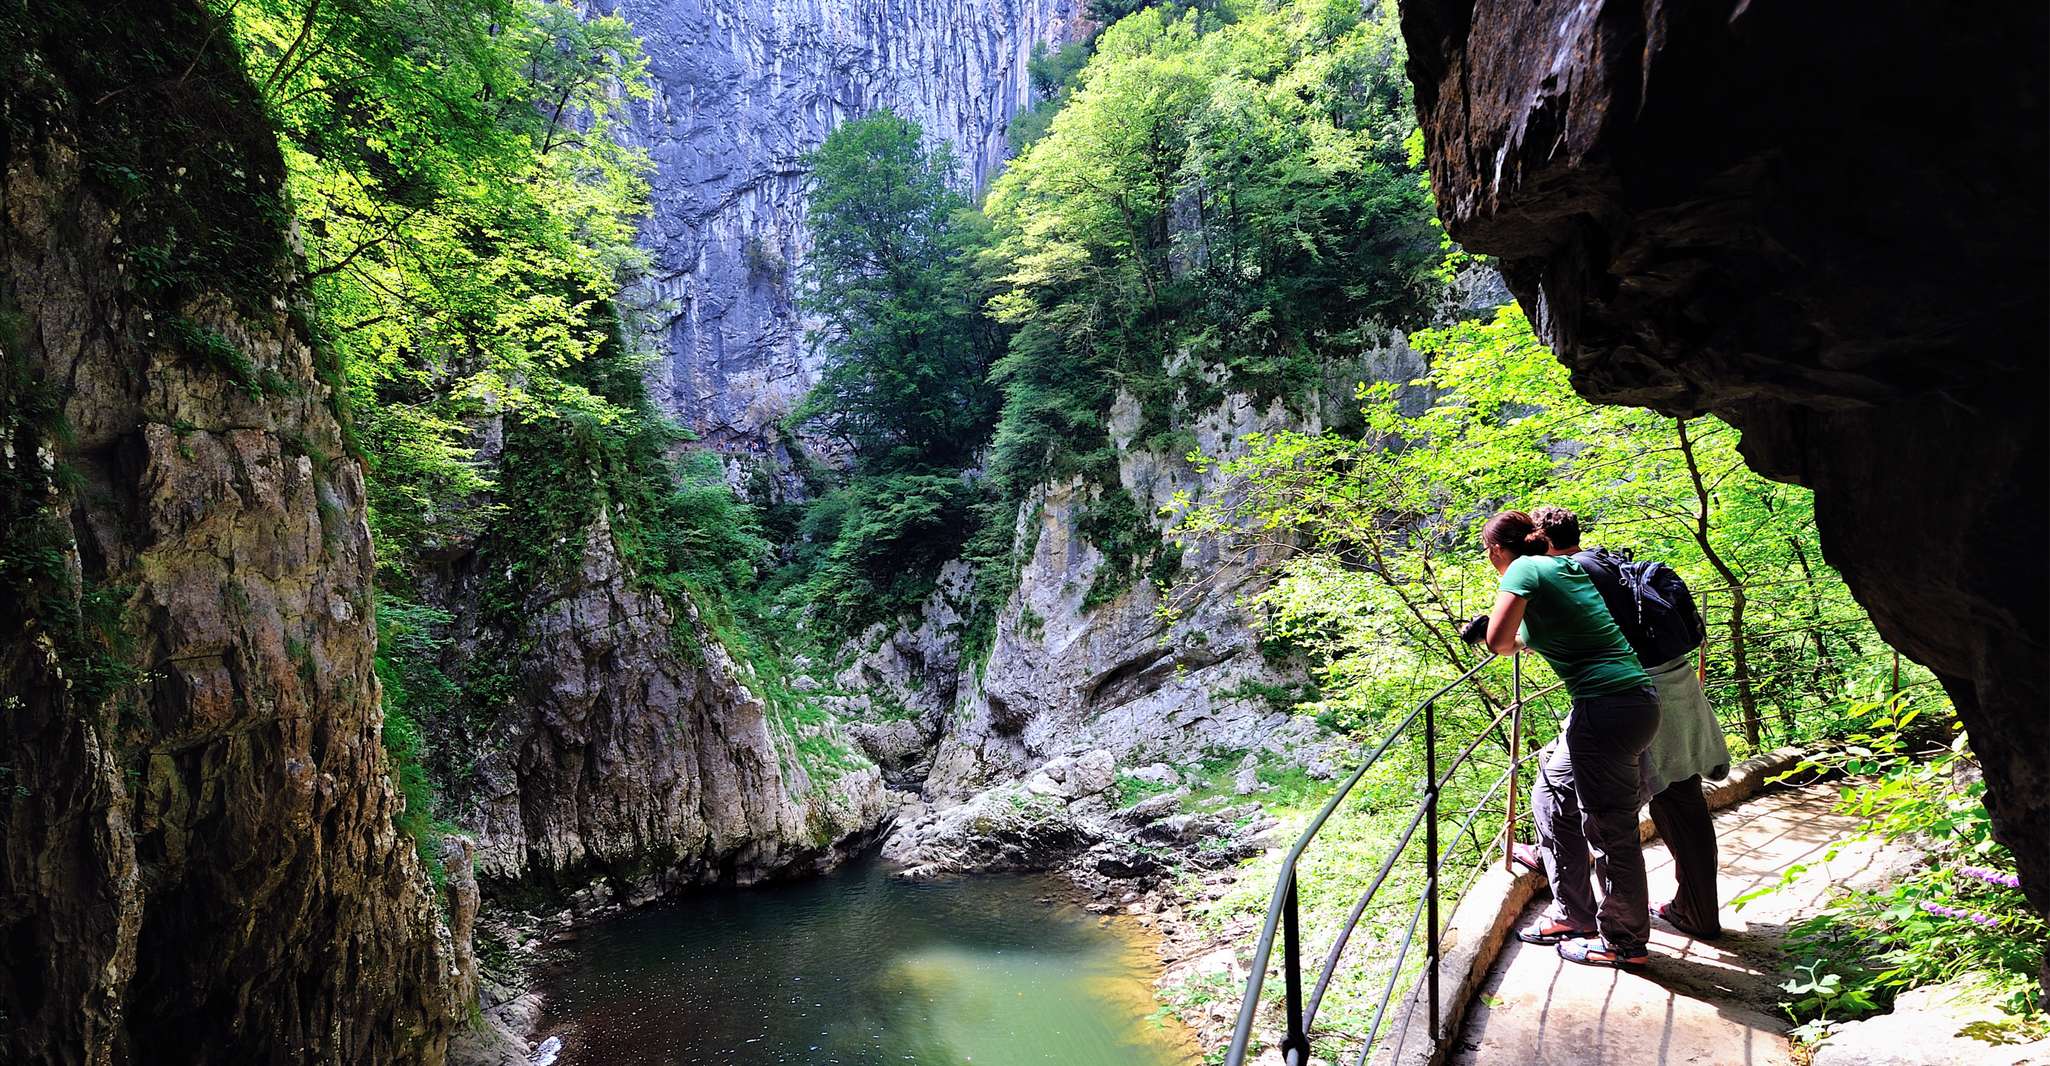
<point x="197" y="854"/>
<point x="743" y="89"/>
<point x="633" y="755"/>
<point x="1705" y="206"/>
<point x="1063" y="678"/>
<point x="1122" y="678"/>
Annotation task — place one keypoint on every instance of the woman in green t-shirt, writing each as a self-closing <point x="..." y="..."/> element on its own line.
<point x="1589" y="789"/>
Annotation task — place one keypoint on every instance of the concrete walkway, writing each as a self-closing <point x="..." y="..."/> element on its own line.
<point x="1708" y="1003"/>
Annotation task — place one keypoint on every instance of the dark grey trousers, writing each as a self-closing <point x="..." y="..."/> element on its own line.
<point x="1681" y="814"/>
<point x="1587" y="796"/>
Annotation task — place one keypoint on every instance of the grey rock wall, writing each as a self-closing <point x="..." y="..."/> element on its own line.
<point x="743" y="89"/>
<point x="635" y="754"/>
<point x="202" y="866"/>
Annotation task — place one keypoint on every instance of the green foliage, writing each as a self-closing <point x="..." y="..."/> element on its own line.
<point x="186" y="161"/>
<point x="1380" y="533"/>
<point x="410" y="645"/>
<point x="1218" y="197"/>
<point x="1053" y="73"/>
<point x="1131" y="546"/>
<point x="209" y="348"/>
<point x="877" y="544"/>
<point x="1380" y="566"/>
<point x="1961" y="913"/>
<point x="466" y="212"/>
<point x="1222" y="199"/>
<point x="1346" y="859"/>
<point x="891" y="274"/>
<point x="893" y="277"/>
<point x="1278" y="697"/>
<point x="1127" y="790"/>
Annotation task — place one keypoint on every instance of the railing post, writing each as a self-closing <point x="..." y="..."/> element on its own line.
<point x="1295" y="1046"/>
<point x="1515" y="761"/>
<point x="1431" y="856"/>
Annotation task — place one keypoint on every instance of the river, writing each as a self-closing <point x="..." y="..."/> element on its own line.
<point x="861" y="967"/>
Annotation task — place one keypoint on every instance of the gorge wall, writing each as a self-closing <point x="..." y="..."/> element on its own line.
<point x="198" y="859"/>
<point x="1824" y="223"/>
<point x="742" y="92"/>
<point x="629" y="756"/>
<point x="623" y="751"/>
<point x="743" y="89"/>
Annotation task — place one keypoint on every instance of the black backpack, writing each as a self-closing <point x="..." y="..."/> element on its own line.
<point x="1651" y="603"/>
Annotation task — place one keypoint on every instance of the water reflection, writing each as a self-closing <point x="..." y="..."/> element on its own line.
<point x="860" y="968"/>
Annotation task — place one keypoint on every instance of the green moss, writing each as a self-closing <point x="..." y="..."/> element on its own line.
<point x="210" y="348"/>
<point x="1129" y="790"/>
<point x="1131" y="547"/>
<point x="410" y="644"/>
<point x="1276" y="696"/>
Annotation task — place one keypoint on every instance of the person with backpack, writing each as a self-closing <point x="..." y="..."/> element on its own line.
<point x="1593" y="783"/>
<point x="1655" y="611"/>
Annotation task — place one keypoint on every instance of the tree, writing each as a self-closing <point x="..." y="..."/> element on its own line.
<point x="1383" y="530"/>
<point x="1225" y="203"/>
<point x="892" y="275"/>
<point x="467" y="214"/>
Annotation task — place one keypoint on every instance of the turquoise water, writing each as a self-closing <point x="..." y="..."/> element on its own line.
<point x="860" y="967"/>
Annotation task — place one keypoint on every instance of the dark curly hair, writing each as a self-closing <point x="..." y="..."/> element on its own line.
<point x="1560" y="526"/>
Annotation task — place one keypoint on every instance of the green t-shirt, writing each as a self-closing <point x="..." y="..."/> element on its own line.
<point x="1565" y="621"/>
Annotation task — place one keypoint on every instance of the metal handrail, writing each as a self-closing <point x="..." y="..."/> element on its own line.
<point x="1283" y="910"/>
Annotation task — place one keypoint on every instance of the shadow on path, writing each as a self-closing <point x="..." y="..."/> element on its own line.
<point x="1700" y="1002"/>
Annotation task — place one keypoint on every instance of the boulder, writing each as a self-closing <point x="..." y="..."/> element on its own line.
<point x="1247" y="781"/>
<point x="1073" y="777"/>
<point x="1159" y="773"/>
<point x="1005" y="828"/>
<point x="1151" y="809"/>
<point x="1951" y="1024"/>
<point x="1122" y="862"/>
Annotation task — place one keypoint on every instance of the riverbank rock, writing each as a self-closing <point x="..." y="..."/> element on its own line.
<point x="1075" y="777"/>
<point x="636" y="753"/>
<point x="1007" y="828"/>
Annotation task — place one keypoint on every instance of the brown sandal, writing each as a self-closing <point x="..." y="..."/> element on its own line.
<point x="1664" y="911"/>
<point x="1591" y="951"/>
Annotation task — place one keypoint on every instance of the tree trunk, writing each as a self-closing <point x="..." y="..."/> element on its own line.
<point x="1747" y="699"/>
